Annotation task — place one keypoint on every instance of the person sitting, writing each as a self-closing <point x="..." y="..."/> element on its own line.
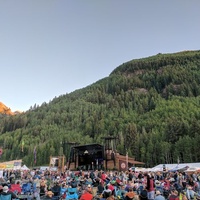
<point x="130" y="194"/>
<point x="191" y="194"/>
<point x="107" y="192"/>
<point x="87" y="194"/>
<point x="121" y="192"/>
<point x="49" y="195"/>
<point x="174" y="195"/>
<point x="6" y="192"/>
<point x="63" y="190"/>
<point x="183" y="196"/>
<point x="56" y="189"/>
<point x="112" y="197"/>
<point x="112" y="187"/>
<point x="1" y="188"/>
<point x="73" y="183"/>
<point x="16" y="188"/>
<point x="43" y="188"/>
<point x="100" y="188"/>
<point x="159" y="196"/>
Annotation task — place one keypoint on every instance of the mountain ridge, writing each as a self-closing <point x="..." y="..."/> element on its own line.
<point x="5" y="110"/>
<point x="150" y="105"/>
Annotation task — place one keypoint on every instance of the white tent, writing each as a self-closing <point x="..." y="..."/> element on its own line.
<point x="141" y="169"/>
<point x="174" y="167"/>
<point x="193" y="169"/>
<point x="24" y="167"/>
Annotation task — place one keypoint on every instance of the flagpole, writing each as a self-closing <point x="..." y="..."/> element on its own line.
<point x="34" y="154"/>
<point x="22" y="145"/>
<point x="178" y="160"/>
<point x="127" y="159"/>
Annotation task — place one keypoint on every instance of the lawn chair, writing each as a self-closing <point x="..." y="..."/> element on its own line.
<point x="71" y="194"/>
<point x="5" y="197"/>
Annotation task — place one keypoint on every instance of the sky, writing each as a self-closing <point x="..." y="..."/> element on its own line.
<point x="53" y="47"/>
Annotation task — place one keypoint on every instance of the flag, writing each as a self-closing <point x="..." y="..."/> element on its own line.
<point x="22" y="145"/>
<point x="97" y="162"/>
<point x="35" y="152"/>
<point x="1" y="152"/>
<point x="178" y="160"/>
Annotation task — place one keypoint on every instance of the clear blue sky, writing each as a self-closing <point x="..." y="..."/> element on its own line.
<point x="52" y="47"/>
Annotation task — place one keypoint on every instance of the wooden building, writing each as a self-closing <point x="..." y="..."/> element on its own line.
<point x="96" y="156"/>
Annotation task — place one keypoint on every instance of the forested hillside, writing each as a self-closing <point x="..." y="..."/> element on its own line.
<point x="151" y="104"/>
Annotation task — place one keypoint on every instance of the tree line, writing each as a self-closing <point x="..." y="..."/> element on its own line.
<point x="152" y="105"/>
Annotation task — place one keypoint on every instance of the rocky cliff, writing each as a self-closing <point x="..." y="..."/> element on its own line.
<point x="5" y="110"/>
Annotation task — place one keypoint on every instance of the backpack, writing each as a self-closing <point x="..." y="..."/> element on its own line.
<point x="143" y="193"/>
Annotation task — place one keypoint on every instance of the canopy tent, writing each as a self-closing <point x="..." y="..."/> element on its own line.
<point x="175" y="167"/>
<point x="193" y="169"/>
<point x="179" y="168"/>
<point x="24" y="167"/>
<point x="157" y="169"/>
<point x="142" y="169"/>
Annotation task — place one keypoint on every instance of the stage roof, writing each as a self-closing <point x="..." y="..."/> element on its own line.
<point x="89" y="147"/>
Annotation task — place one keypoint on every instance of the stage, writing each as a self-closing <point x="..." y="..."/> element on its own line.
<point x="88" y="157"/>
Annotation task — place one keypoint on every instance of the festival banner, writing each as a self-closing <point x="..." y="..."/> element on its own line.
<point x="122" y="165"/>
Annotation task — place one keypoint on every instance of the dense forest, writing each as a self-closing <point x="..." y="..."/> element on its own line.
<point x="152" y="105"/>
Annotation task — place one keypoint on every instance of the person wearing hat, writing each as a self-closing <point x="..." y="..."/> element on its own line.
<point x="7" y="192"/>
<point x="87" y="194"/>
<point x="159" y="196"/>
<point x="158" y="186"/>
<point x="49" y="195"/>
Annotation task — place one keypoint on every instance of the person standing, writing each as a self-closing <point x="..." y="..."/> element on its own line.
<point x="6" y="192"/>
<point x="159" y="196"/>
<point x="150" y="187"/>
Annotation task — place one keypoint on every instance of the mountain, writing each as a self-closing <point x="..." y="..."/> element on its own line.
<point x="151" y="105"/>
<point x="5" y="110"/>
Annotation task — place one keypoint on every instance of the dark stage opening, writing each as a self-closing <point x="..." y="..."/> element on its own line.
<point x="90" y="157"/>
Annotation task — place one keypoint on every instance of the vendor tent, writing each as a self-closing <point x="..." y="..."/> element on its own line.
<point x="179" y="168"/>
<point x="24" y="167"/>
<point x="193" y="169"/>
<point x="13" y="164"/>
<point x="175" y="167"/>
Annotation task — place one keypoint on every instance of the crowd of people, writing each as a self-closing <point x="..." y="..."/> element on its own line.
<point x="98" y="184"/>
